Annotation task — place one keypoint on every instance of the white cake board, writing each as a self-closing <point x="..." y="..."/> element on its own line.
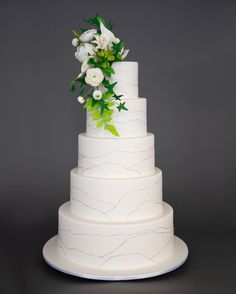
<point x="51" y="256"/>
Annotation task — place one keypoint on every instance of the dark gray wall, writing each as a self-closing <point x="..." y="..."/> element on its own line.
<point x="186" y="54"/>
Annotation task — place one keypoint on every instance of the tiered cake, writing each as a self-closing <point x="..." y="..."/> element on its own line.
<point x="116" y="219"/>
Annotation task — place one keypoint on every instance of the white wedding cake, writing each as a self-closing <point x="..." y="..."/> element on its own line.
<point x="116" y="222"/>
<point x="116" y="218"/>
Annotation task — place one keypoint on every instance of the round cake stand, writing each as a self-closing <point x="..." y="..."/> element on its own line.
<point x="51" y="256"/>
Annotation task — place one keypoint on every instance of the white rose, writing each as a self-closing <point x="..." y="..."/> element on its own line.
<point x="80" y="99"/>
<point x="105" y="39"/>
<point x="97" y="95"/>
<point x="94" y="76"/>
<point x="75" y="42"/>
<point x="88" y="36"/>
<point x="83" y="51"/>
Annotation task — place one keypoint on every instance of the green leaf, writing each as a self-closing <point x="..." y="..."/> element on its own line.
<point x="72" y="88"/>
<point x="111" y="70"/>
<point x="94" y="102"/>
<point x="100" y="123"/>
<point x="88" y="103"/>
<point x="107" y="119"/>
<point x="92" y="61"/>
<point x="110" y="25"/>
<point x="103" y="105"/>
<point x="96" y="20"/>
<point x="117" y="47"/>
<point x="112" y="129"/>
<point x="117" y="97"/>
<point x="109" y="86"/>
<point x="107" y="112"/>
<point x="75" y="33"/>
<point x="93" y="105"/>
<point x="118" y="57"/>
<point x="110" y="103"/>
<point x="107" y="95"/>
<point x="106" y="72"/>
<point x="121" y="106"/>
<point x="96" y="115"/>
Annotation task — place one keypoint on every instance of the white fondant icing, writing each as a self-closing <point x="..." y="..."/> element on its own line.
<point x="115" y="246"/>
<point x="126" y="76"/>
<point x="131" y="123"/>
<point x="116" y="158"/>
<point x="116" y="200"/>
<point x="116" y="220"/>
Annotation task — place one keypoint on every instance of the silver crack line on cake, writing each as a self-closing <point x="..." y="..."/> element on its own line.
<point x="105" y="165"/>
<point x="111" y="163"/>
<point x="169" y="229"/>
<point x="92" y="208"/>
<point x="117" y="150"/>
<point x="95" y="199"/>
<point x="130" y="192"/>
<point x="119" y="246"/>
<point x="141" y="204"/>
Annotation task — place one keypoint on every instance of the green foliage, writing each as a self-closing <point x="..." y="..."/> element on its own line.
<point x="103" y="109"/>
<point x="117" y="97"/>
<point x="100" y="124"/>
<point x="112" y="129"/>
<point x="76" y="34"/>
<point x="103" y="105"/>
<point x="117" y="47"/>
<point x="72" y="88"/>
<point x="121" y="106"/>
<point x="96" y="20"/>
<point x="88" y="103"/>
<point x="107" y="95"/>
<point x="110" y="25"/>
<point x="96" y="115"/>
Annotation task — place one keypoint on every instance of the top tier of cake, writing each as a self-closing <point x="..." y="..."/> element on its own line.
<point x="126" y="76"/>
<point x="131" y="123"/>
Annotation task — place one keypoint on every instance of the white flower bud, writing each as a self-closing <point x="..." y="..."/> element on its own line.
<point x="81" y="99"/>
<point x="75" y="42"/>
<point x="97" y="95"/>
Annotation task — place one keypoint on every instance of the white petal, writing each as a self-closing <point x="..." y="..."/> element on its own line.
<point x="85" y="65"/>
<point x="89" y="48"/>
<point x="106" y="32"/>
<point x="125" y="53"/>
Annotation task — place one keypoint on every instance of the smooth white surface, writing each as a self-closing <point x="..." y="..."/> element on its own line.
<point x="116" y="246"/>
<point x="116" y="158"/>
<point x="131" y="123"/>
<point x="113" y="200"/>
<point x="126" y="76"/>
<point x="54" y="259"/>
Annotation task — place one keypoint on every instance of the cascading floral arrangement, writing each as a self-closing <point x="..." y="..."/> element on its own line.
<point x="97" y="50"/>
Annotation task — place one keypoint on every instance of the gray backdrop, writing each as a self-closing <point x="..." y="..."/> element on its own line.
<point x="186" y="53"/>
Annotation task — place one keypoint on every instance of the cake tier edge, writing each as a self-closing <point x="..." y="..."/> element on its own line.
<point x="127" y="200"/>
<point x="116" y="158"/>
<point x="115" y="246"/>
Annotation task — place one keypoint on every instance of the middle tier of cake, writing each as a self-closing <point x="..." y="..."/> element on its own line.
<point x="116" y="200"/>
<point x="116" y="157"/>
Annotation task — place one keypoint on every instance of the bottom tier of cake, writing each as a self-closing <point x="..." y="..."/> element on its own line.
<point x="115" y="246"/>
